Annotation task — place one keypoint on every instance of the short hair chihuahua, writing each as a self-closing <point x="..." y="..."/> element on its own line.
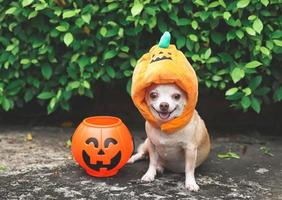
<point x="181" y="151"/>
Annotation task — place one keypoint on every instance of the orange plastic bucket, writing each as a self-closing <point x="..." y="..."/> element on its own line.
<point x="102" y="145"/>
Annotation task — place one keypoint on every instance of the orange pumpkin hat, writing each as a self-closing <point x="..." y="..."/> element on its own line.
<point x="162" y="65"/>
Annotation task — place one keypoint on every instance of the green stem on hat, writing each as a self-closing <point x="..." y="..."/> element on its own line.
<point x="165" y="40"/>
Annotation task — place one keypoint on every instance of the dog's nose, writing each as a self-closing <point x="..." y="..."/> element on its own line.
<point x="164" y="106"/>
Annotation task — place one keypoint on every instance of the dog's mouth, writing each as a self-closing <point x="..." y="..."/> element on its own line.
<point x="164" y="115"/>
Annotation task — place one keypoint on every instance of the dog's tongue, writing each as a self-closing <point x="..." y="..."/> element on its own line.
<point x="164" y="115"/>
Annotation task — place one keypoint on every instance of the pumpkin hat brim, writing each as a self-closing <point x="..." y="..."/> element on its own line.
<point x="164" y="64"/>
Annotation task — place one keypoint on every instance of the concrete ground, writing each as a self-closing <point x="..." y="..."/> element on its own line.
<point x="42" y="168"/>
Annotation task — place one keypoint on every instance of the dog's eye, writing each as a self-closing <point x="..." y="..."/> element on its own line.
<point x="153" y="95"/>
<point x="176" y="96"/>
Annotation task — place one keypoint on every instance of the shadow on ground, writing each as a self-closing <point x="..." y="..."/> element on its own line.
<point x="43" y="169"/>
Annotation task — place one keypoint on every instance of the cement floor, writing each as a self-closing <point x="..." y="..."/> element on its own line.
<point x="44" y="169"/>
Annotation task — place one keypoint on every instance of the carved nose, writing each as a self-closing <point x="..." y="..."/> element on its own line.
<point x="164" y="106"/>
<point x="101" y="152"/>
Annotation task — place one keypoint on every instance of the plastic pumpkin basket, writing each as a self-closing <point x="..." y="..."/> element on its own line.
<point x="102" y="145"/>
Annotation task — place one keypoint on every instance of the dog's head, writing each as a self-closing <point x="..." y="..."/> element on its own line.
<point x="165" y="101"/>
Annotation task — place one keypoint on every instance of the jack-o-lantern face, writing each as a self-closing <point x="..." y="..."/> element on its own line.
<point x="102" y="145"/>
<point x="163" y="54"/>
<point x="101" y="152"/>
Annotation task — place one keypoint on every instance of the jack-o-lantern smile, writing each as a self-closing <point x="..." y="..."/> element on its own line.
<point x="99" y="163"/>
<point x="160" y="57"/>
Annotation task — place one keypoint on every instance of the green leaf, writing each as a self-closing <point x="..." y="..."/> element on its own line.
<point x="213" y="4"/>
<point x="250" y="31"/>
<point x="194" y="24"/>
<point x="86" y="84"/>
<point x="253" y="64"/>
<point x="133" y="62"/>
<point x="264" y="2"/>
<point x="125" y="49"/>
<point x="207" y="53"/>
<point x="86" y="18"/>
<point x="257" y="25"/>
<point x="110" y="54"/>
<point x="111" y="72"/>
<point x="243" y="3"/>
<point x="28" y="95"/>
<point x="52" y="105"/>
<point x="255" y="82"/>
<point x="252" y="17"/>
<point x="10" y="10"/>
<point x="32" y="14"/>
<point x="45" y="95"/>
<point x="278" y="42"/>
<point x="216" y="78"/>
<point x="2" y="168"/>
<point x="63" y="27"/>
<point x="26" y="2"/>
<point x="127" y="73"/>
<point x="217" y="37"/>
<point x="183" y="22"/>
<point x="246" y="102"/>
<point x="83" y="61"/>
<point x="277" y="96"/>
<point x="103" y="31"/>
<point x="231" y="91"/>
<point x="247" y="91"/>
<point x="68" y="144"/>
<point x="180" y="42"/>
<point x="240" y="34"/>
<point x="266" y="150"/>
<point x="73" y="85"/>
<point x="6" y="104"/>
<point x="255" y="104"/>
<point x="265" y="51"/>
<point x="237" y="74"/>
<point x="222" y="3"/>
<point x="41" y="6"/>
<point x="24" y="61"/>
<point x="193" y="37"/>
<point x="137" y="8"/>
<point x="68" y="39"/>
<point x="46" y="71"/>
<point x="69" y="13"/>
<point x="228" y="155"/>
<point x="128" y="86"/>
<point x="226" y="15"/>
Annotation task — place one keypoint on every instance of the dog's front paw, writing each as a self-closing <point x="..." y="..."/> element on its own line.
<point x="191" y="185"/>
<point x="148" y="177"/>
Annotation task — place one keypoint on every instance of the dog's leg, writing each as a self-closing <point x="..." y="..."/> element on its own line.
<point x="160" y="168"/>
<point x="190" y="164"/>
<point x="141" y="152"/>
<point x="152" y="170"/>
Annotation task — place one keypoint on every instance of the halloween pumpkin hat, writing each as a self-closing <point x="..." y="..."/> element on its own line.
<point x="164" y="64"/>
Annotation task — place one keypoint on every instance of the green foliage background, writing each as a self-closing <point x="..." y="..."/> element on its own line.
<point x="54" y="50"/>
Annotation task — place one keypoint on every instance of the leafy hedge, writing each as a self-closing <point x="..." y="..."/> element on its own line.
<point x="53" y="50"/>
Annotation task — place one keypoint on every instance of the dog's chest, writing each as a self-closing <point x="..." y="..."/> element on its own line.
<point x="170" y="146"/>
